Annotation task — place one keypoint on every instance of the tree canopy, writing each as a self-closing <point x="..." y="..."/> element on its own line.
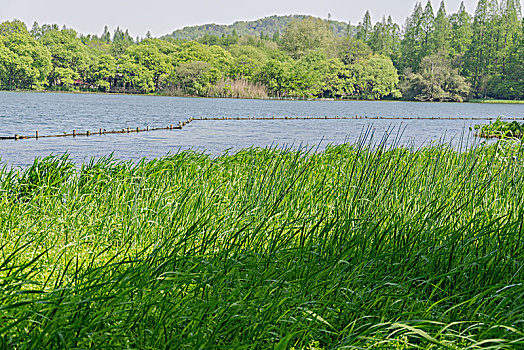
<point x="434" y="56"/>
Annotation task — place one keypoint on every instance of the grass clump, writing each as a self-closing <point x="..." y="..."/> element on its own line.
<point x="353" y="247"/>
<point x="500" y="129"/>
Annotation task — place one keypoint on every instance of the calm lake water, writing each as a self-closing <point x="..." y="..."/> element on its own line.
<point x="54" y="113"/>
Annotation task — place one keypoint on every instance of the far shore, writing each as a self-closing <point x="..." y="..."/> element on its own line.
<point x="490" y="101"/>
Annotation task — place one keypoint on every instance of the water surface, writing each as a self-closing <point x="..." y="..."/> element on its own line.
<point x="56" y="113"/>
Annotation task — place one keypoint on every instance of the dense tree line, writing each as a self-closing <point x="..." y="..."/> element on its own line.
<point x="307" y="61"/>
<point x="440" y="57"/>
<point x="451" y="57"/>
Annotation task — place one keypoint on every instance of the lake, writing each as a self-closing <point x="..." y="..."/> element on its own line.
<point x="56" y="113"/>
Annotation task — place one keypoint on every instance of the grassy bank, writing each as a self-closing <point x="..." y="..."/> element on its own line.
<point x="349" y="248"/>
<point x="498" y="101"/>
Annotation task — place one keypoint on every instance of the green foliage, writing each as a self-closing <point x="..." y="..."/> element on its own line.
<point x="121" y="41"/>
<point x="500" y="129"/>
<point x="440" y="37"/>
<point x="70" y="57"/>
<point x="385" y="39"/>
<point x="270" y="27"/>
<point x="375" y="78"/>
<point x="442" y="57"/>
<point x="196" y="77"/>
<point x="247" y="61"/>
<point x="24" y="63"/>
<point x="437" y="81"/>
<point x="302" y="36"/>
<point x="461" y="32"/>
<point x="412" y="44"/>
<point x="151" y="60"/>
<point x="103" y="71"/>
<point x="350" y="50"/>
<point x="365" y="28"/>
<point x="354" y="247"/>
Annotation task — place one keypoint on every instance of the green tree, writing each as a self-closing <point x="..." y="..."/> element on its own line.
<point x="375" y="78"/>
<point x="36" y="31"/>
<point x="12" y="27"/>
<point x="509" y="82"/>
<point x="103" y="71"/>
<point x="196" y="77"/>
<point x="149" y="57"/>
<point x="135" y="76"/>
<point x="276" y="37"/>
<point x="437" y="81"/>
<point x="440" y="38"/>
<point x="510" y="30"/>
<point x="121" y="41"/>
<point x="24" y="63"/>
<point x="427" y="24"/>
<point x="412" y="43"/>
<point x="461" y="34"/>
<point x="303" y="36"/>
<point x="310" y="75"/>
<point x="247" y="62"/>
<point x="339" y="82"/>
<point x="385" y="38"/>
<point x="277" y="76"/>
<point x="106" y="36"/>
<point x="481" y="54"/>
<point x="350" y="50"/>
<point x="365" y="28"/>
<point x="187" y="52"/>
<point x="70" y="57"/>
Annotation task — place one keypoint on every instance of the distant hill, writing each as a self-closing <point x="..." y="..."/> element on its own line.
<point x="264" y="26"/>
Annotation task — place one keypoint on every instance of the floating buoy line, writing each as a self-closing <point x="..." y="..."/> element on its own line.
<point x="181" y="124"/>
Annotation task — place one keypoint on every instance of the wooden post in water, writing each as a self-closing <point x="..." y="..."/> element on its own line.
<point x="74" y="132"/>
<point x="100" y="131"/>
<point x="36" y="135"/>
<point x="137" y="129"/>
<point x="88" y="133"/>
<point x="171" y="127"/>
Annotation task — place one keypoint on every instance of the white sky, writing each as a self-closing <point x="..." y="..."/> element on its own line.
<point x="163" y="16"/>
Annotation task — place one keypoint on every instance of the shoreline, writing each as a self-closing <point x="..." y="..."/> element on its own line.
<point x="477" y="101"/>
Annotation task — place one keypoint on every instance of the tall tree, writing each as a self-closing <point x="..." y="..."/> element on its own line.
<point x="106" y="36"/>
<point x="510" y="28"/>
<point x="411" y="45"/>
<point x="365" y="28"/>
<point x="478" y="59"/>
<point x="508" y="80"/>
<point x="427" y="24"/>
<point x="385" y="38"/>
<point x="441" y="35"/>
<point x="461" y="33"/>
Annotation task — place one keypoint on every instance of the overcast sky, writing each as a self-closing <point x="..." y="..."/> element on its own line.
<point x="163" y="16"/>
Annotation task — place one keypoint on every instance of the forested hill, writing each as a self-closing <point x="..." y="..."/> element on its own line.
<point x="266" y="26"/>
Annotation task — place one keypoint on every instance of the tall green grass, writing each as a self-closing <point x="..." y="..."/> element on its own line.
<point x="353" y="247"/>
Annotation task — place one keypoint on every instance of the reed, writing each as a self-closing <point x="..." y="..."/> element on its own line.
<point x="358" y="246"/>
<point x="238" y="88"/>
